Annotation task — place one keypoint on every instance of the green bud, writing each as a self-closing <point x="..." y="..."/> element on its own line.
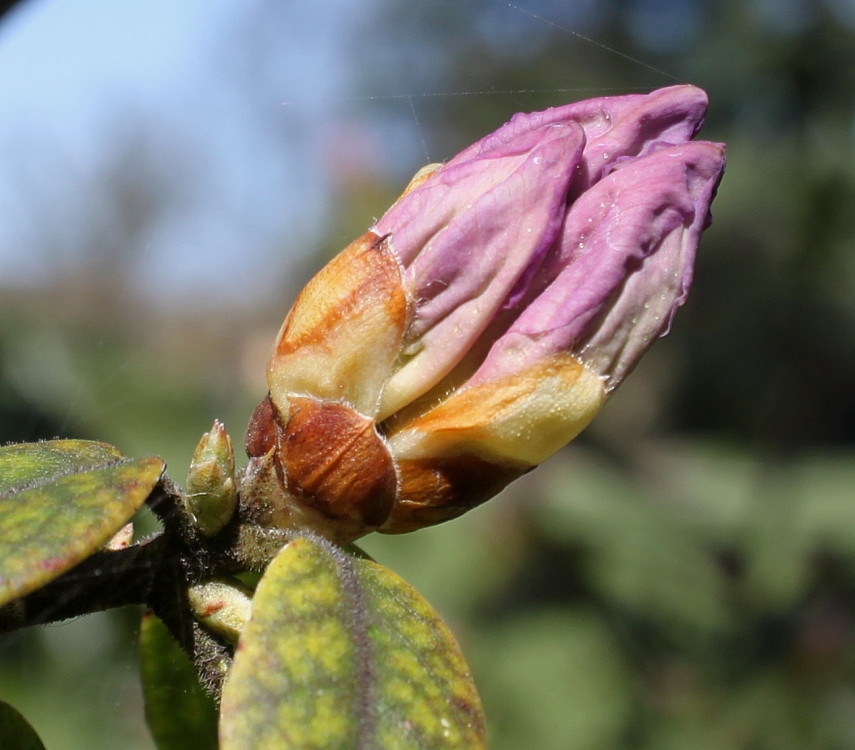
<point x="223" y="606"/>
<point x="211" y="495"/>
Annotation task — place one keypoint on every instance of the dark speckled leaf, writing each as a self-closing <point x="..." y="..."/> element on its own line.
<point x="16" y="732"/>
<point x="342" y="653"/>
<point x="179" y="713"/>
<point x="60" y="501"/>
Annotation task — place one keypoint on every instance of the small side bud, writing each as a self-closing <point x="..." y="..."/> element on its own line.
<point x="222" y="606"/>
<point x="211" y="494"/>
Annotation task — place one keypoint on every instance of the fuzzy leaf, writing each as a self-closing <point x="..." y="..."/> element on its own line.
<point x="60" y="501"/>
<point x="342" y="653"/>
<point x="28" y="464"/>
<point x="16" y="732"/>
<point x="179" y="713"/>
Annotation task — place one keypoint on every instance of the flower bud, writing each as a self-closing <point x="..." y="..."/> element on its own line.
<point x="210" y="491"/>
<point x="483" y="321"/>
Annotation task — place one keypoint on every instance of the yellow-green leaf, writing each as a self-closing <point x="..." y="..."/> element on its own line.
<point x="179" y="713"/>
<point x="25" y="465"/>
<point x="342" y="653"/>
<point x="16" y="732"/>
<point x="61" y="501"/>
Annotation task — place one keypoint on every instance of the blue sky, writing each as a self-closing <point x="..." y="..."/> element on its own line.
<point x="247" y="159"/>
<point x="71" y="71"/>
<point x="56" y="55"/>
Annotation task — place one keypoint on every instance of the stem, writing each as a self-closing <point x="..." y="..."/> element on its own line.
<point x="104" y="580"/>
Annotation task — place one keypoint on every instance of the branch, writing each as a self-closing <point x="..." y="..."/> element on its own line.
<point x="106" y="579"/>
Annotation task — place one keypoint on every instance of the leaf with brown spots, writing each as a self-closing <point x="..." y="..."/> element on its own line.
<point x="342" y="653"/>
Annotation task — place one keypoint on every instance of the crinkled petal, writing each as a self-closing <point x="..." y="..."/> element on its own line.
<point x="465" y="237"/>
<point x="626" y="258"/>
<point x="615" y="127"/>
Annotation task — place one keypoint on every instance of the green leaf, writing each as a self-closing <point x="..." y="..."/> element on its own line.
<point x="342" y="653"/>
<point x="16" y="732"/>
<point x="61" y="501"/>
<point x="27" y="464"/>
<point x="179" y="713"/>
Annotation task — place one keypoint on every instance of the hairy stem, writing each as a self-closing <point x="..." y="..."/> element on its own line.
<point x="106" y="579"/>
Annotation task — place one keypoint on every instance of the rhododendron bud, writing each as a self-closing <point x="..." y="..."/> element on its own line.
<point x="210" y="492"/>
<point x="482" y="322"/>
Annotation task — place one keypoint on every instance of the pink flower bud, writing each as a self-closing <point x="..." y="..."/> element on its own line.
<point x="483" y="321"/>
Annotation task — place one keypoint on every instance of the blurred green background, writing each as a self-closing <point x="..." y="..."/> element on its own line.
<point x="683" y="575"/>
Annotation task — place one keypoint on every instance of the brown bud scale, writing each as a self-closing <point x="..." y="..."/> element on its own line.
<point x="261" y="432"/>
<point x="334" y="460"/>
<point x="433" y="490"/>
